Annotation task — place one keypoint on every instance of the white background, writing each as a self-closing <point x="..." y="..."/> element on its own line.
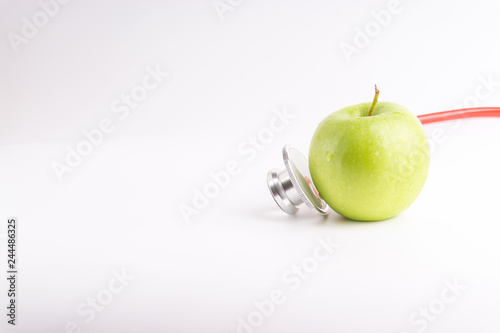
<point x="119" y="209"/>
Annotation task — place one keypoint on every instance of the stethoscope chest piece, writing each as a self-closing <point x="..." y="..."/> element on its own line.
<point x="293" y="186"/>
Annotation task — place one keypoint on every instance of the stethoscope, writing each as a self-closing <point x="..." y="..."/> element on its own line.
<point x="292" y="187"/>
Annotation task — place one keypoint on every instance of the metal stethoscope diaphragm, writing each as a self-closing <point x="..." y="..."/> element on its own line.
<point x="293" y="186"/>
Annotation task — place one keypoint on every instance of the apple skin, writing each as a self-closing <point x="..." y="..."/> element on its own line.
<point x="369" y="168"/>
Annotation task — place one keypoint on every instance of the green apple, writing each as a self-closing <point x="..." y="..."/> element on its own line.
<point x="369" y="161"/>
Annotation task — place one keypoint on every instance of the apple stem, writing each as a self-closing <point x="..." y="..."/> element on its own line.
<point x="375" y="98"/>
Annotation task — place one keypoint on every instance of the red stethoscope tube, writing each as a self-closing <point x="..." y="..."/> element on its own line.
<point x="459" y="114"/>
